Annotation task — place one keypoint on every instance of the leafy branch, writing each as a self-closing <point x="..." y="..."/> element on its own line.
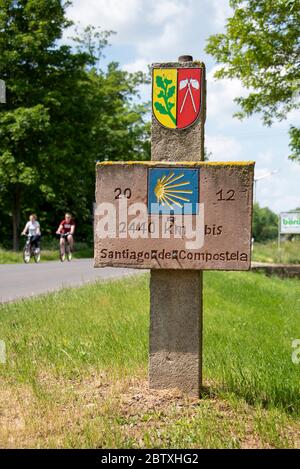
<point x="166" y="93"/>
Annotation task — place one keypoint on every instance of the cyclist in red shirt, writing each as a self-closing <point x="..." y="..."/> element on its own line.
<point x="66" y="230"/>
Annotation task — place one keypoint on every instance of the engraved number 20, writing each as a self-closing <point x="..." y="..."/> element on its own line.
<point x="126" y="193"/>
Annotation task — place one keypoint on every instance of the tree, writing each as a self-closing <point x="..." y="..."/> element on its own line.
<point x="37" y="76"/>
<point x="264" y="224"/>
<point x="121" y="129"/>
<point x="261" y="47"/>
<point x="62" y="114"/>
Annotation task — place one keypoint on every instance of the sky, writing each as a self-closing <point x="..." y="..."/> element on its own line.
<point x="150" y="31"/>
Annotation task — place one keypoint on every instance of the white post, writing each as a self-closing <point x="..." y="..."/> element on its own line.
<point x="2" y="92"/>
<point x="278" y="241"/>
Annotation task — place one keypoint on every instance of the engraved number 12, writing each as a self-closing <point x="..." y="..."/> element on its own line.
<point x="229" y="195"/>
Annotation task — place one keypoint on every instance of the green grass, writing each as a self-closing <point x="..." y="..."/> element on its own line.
<point x="268" y="252"/>
<point x="251" y="322"/>
<point x="77" y="359"/>
<point x="11" y="257"/>
<point x="102" y="325"/>
<point x="263" y="252"/>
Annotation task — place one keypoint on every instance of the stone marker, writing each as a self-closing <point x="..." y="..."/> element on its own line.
<point x="178" y="216"/>
<point x="210" y="231"/>
<point x="176" y="319"/>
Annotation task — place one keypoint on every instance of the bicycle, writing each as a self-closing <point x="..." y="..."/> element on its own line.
<point x="65" y="249"/>
<point x="30" y="251"/>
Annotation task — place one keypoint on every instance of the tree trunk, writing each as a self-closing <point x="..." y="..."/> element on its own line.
<point x="16" y="211"/>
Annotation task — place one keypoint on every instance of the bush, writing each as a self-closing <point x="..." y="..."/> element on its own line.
<point x="264" y="224"/>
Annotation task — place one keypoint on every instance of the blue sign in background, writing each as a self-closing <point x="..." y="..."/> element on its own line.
<point x="173" y="190"/>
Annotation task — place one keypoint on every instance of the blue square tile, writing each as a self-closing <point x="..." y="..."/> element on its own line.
<point x="173" y="191"/>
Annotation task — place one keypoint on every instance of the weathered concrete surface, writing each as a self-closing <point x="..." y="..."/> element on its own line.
<point x="176" y="339"/>
<point x="281" y="270"/>
<point x="176" y="330"/>
<point x="223" y="237"/>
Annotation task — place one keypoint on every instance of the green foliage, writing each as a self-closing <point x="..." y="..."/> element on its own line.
<point x="166" y="94"/>
<point x="268" y="252"/>
<point x="264" y="224"/>
<point x="260" y="47"/>
<point x="295" y="142"/>
<point x="62" y="114"/>
<point x="16" y="128"/>
<point x="120" y="130"/>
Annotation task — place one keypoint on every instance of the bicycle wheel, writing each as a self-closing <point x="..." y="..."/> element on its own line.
<point x="26" y="253"/>
<point x="69" y="253"/>
<point x="62" y="256"/>
<point x="37" y="256"/>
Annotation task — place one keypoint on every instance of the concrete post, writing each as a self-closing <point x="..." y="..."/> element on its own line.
<point x="176" y="295"/>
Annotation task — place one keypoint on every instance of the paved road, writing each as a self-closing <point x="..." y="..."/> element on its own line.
<point x="23" y="280"/>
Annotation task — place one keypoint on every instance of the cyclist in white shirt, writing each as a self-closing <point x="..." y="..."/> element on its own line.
<point x="33" y="229"/>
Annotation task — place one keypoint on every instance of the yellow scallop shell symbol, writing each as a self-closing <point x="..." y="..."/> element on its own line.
<point x="167" y="190"/>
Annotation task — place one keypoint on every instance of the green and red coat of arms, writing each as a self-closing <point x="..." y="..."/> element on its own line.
<point x="177" y="96"/>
